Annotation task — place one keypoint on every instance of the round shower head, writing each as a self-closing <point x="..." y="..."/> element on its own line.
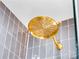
<point x="43" y="27"/>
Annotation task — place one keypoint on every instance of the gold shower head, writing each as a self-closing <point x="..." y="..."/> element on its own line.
<point x="44" y="27"/>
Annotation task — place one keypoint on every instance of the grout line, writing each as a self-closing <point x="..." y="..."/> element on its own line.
<point x="27" y="44"/>
<point x="53" y="49"/>
<point x="33" y="45"/>
<point x="26" y="39"/>
<point x="39" y="48"/>
<point x="10" y="35"/>
<point x="20" y="43"/>
<point x="46" y="48"/>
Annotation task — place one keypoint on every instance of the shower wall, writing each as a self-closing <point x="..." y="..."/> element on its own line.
<point x="45" y="49"/>
<point x="13" y="35"/>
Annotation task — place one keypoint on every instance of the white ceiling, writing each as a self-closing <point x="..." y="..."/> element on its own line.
<point x="27" y="9"/>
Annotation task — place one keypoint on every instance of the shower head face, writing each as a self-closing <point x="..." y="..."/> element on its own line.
<point x="43" y="27"/>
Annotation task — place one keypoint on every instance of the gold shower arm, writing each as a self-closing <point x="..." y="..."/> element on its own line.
<point x="57" y="43"/>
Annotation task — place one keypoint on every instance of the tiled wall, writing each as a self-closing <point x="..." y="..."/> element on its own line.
<point x="13" y="35"/>
<point x="13" y="40"/>
<point x="45" y="49"/>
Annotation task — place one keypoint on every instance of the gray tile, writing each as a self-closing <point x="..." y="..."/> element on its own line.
<point x="16" y="20"/>
<point x="36" y="42"/>
<point x="58" y="36"/>
<point x="25" y="29"/>
<point x="30" y="44"/>
<point x="11" y="55"/>
<point x="1" y="51"/>
<point x="23" y="38"/>
<point x="71" y="21"/>
<point x="49" y="41"/>
<point x="16" y="57"/>
<point x="12" y="16"/>
<point x="19" y="36"/>
<point x="5" y="21"/>
<point x="65" y="56"/>
<point x="35" y="51"/>
<point x="5" y="54"/>
<point x="21" y="25"/>
<point x="17" y="48"/>
<point x="64" y="33"/>
<point x="49" y="50"/>
<point x="2" y="6"/>
<point x="73" y="58"/>
<point x="36" y="57"/>
<point x="49" y="57"/>
<point x="10" y="27"/>
<point x="42" y="52"/>
<point x="8" y="40"/>
<point x="56" y="52"/>
<point x="42" y="42"/>
<point x="1" y="17"/>
<point x="71" y="31"/>
<point x="13" y="43"/>
<point x="7" y="11"/>
<point x="22" y="52"/>
<point x="2" y="35"/>
<point x="26" y="39"/>
<point x="64" y="23"/>
<point x="57" y="57"/>
<point x="72" y="47"/>
<point x="15" y="30"/>
<point x="65" y="49"/>
<point x="29" y="54"/>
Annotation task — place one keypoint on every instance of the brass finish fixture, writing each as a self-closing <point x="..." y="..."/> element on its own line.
<point x="45" y="27"/>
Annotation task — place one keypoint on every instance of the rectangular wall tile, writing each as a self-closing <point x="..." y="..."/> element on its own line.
<point x="1" y="51"/>
<point x="8" y="41"/>
<point x="5" y="54"/>
<point x="11" y="55"/>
